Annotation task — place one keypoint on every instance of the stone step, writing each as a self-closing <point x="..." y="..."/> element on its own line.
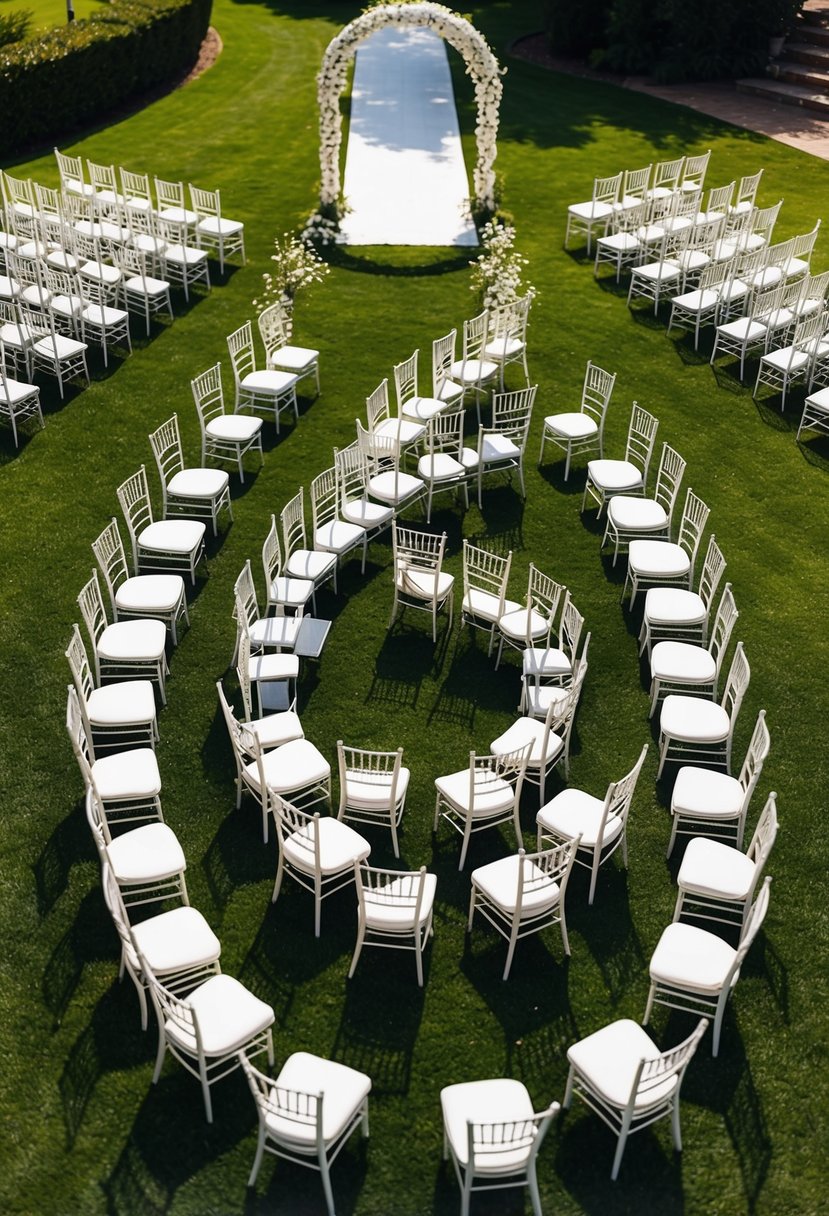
<point x="800" y="73"/>
<point x="789" y="94"/>
<point x="804" y="52"/>
<point x="812" y="29"/>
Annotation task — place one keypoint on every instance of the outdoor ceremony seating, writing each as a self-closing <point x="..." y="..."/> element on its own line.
<point x="373" y="787"/>
<point x="446" y="465"/>
<point x="409" y="402"/>
<point x="394" y="910"/>
<point x="266" y="391"/>
<point x="301" y="562"/>
<point x="419" y="579"/>
<point x="475" y="372"/>
<point x="379" y="420"/>
<point x="146" y="862"/>
<point x="657" y="562"/>
<point x="674" y="612"/>
<point x="283" y="591"/>
<point x="192" y="492"/>
<point x="132" y="649"/>
<point x="127" y="783"/>
<point x="275" y="328"/>
<point x="582" y="431"/>
<point x="214" y="230"/>
<point x="277" y="726"/>
<point x="18" y="401"/>
<point x="485" y="580"/>
<point x="630" y="517"/>
<point x="223" y="436"/>
<point x="444" y="388"/>
<point x="482" y="795"/>
<point x="114" y="715"/>
<point x="507" y="341"/>
<point x="160" y="596"/>
<point x="629" y="475"/>
<point x="531" y="624"/>
<point x="549" y="738"/>
<point x="694" y="728"/>
<point x="502" y="444"/>
<point x="685" y="668"/>
<point x="158" y="545"/>
<point x="331" y="533"/>
<point x="596" y="213"/>
<point x="318" y="851"/>
<point x="552" y="664"/>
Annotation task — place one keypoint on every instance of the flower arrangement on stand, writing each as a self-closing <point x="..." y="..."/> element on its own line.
<point x="498" y="274"/>
<point x="296" y="265"/>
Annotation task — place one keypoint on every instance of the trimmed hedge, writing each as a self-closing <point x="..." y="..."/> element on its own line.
<point x="80" y="72"/>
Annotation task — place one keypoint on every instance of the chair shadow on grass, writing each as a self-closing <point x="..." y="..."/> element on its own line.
<point x="607" y="927"/>
<point x="68" y="844"/>
<point x="404" y="660"/>
<point x="88" y="939"/>
<point x="470" y="684"/>
<point x="503" y="518"/>
<point x="236" y="856"/>
<point x="378" y="1030"/>
<point x="816" y="452"/>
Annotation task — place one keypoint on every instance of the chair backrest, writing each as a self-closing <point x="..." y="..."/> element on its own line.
<point x="91" y="604"/>
<point x="324" y="499"/>
<point x="79" y="734"/>
<point x="510" y="321"/>
<point x="134" y="497"/>
<point x="808" y="331"/>
<point x="817" y="287"/>
<point x="486" y="571"/>
<point x="377" y="405"/>
<point x="444" y="433"/>
<point x="512" y="414"/>
<point x="169" y="194"/>
<point x="111" y="557"/>
<point x="669" y="479"/>
<point x="417" y="550"/>
<point x="606" y="189"/>
<point x="713" y="568"/>
<point x="723" y="626"/>
<point x="736" y="685"/>
<point x="486" y="771"/>
<point x="70" y="169"/>
<point x="569" y="629"/>
<point x="635" y="183"/>
<point x="719" y="197"/>
<point x="543" y="595"/>
<point x="240" y="349"/>
<point x="631" y="218"/>
<point x="243" y="673"/>
<point x="292" y="1116"/>
<point x="78" y="658"/>
<point x="686" y="204"/>
<point x="747" y="189"/>
<point x="508" y="1147"/>
<point x="541" y="871"/>
<point x="97" y="820"/>
<point x="703" y="237"/>
<point x="208" y="394"/>
<point x="169" y="458"/>
<point x="400" y="890"/>
<point x="652" y="1077"/>
<point x="174" y="1013"/>
<point x="765" y="834"/>
<point x="272" y="562"/>
<point x="381" y="452"/>
<point x="405" y="380"/>
<point x="302" y="827"/>
<point x="619" y="797"/>
<point x="596" y="392"/>
<point x="695" y="169"/>
<point x="752" y="926"/>
<point x="205" y="203"/>
<point x="381" y="770"/>
<point x="294" y="536"/>
<point x="764" y="219"/>
<point x="244" y="595"/>
<point x="102" y="177"/>
<point x="758" y="749"/>
<point x="135" y="187"/>
<point x="352" y="473"/>
<point x="274" y="325"/>
<point x="666" y="173"/>
<point x="561" y="714"/>
<point x="443" y="356"/>
<point x="692" y="525"/>
<point x="475" y="331"/>
<point x="641" y="439"/>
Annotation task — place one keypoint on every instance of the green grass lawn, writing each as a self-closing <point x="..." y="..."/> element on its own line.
<point x="84" y="1130"/>
<point x="48" y="13"/>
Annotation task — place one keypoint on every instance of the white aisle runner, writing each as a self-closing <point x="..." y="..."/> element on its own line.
<point x="405" y="178"/>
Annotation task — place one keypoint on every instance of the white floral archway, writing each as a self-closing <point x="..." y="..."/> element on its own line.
<point x="481" y="65"/>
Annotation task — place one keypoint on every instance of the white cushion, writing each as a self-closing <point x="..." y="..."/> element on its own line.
<point x="697" y="301"/>
<point x="175" y="940"/>
<point x="292" y="592"/>
<point x="310" y="564"/>
<point x="267" y="667"/>
<point x="292" y="767"/>
<point x="473" y="371"/>
<point x="181" y="536"/>
<point x="228" y="1016"/>
<point x="630" y="514"/>
<point x="130" y="774"/>
<point x="498" y="447"/>
<point x="102" y="315"/>
<point x="540" y="696"/>
<point x="673" y="605"/>
<point x="661" y="558"/>
<point x="423" y="585"/>
<point x="613" y="475"/>
<point x="440" y="467"/>
<point x="275" y="631"/>
<point x="609" y="1060"/>
<point x="706" y="793"/>
<point x="712" y="868"/>
<point x="742" y="330"/>
<point x="394" y="487"/>
<point x="146" y="854"/>
<point x="59" y="347"/>
<point x="238" y="428"/>
<point x="198" y="483"/>
<point x="574" y="813"/>
<point x="133" y="640"/>
<point x="694" y="719"/>
<point x="268" y="382"/>
<point x="150" y="593"/>
<point x="366" y="514"/>
<point x="496" y="1101"/>
<point x="402" y="430"/>
<point x="293" y="358"/>
<point x="683" y="663"/>
<point x="340" y="845"/>
<point x="492" y="795"/>
<point x="125" y="704"/>
<point x="546" y="662"/>
<point x="688" y="957"/>
<point x="423" y="408"/>
<point x="337" y="536"/>
<point x="529" y="730"/>
<point x="369" y="791"/>
<point x="518" y="623"/>
<point x="486" y="606"/>
<point x="215" y="226"/>
<point x="591" y="210"/>
<point x="393" y="907"/>
<point x="571" y="426"/>
<point x="275" y="730"/>
<point x="502" y="348"/>
<point x="344" y="1091"/>
<point x="498" y="882"/>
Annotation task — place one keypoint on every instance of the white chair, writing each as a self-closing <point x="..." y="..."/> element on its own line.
<point x="493" y="1135"/>
<point x="507" y="341"/>
<point x="596" y="213"/>
<point x="275" y="328"/>
<point x="103" y="182"/>
<point x="210" y="1028"/>
<point x="621" y="246"/>
<point x="213" y="229"/>
<point x="394" y="911"/>
<point x="331" y="533"/>
<point x="373" y="787"/>
<point x="694" y="728"/>
<point x="223" y="436"/>
<point x="18" y="401"/>
<point x="694" y="171"/>
<point x="502" y="444"/>
<point x="523" y="894"/>
<point x="685" y="668"/>
<point x="102" y="323"/>
<point x="532" y="624"/>
<point x="475" y="372"/>
<point x="135" y="191"/>
<point x="664" y="275"/>
<point x="781" y="368"/>
<point x="160" y="596"/>
<point x="301" y="562"/>
<point x="666" y="177"/>
<point x="444" y="388"/>
<point x="716" y="882"/>
<point x="267" y="391"/>
<point x="385" y="479"/>
<point x="485" y="579"/>
<point x="127" y="783"/>
<point x="193" y="493"/>
<point x="556" y="665"/>
<point x="419" y="580"/>
<point x="583" y="430"/>
<point x="761" y="226"/>
<point x="815" y="416"/>
<point x="748" y="333"/>
<point x="141" y="291"/>
<point x="282" y="590"/>
<point x="308" y="1113"/>
<point x="180" y="262"/>
<point x="631" y="517"/>
<point x="158" y="545"/>
<point x="379" y="420"/>
<point x="356" y="507"/>
<point x="446" y="464"/>
<point x="266" y="634"/>
<point x="318" y="851"/>
<point x="178" y="944"/>
<point x="50" y="351"/>
<point x="747" y="192"/>
<point x="599" y="825"/>
<point x="147" y="862"/>
<point x="277" y="727"/>
<point x="409" y="402"/>
<point x="657" y="562"/>
<point x="549" y="739"/>
<point x="629" y="475"/>
<point x="701" y="304"/>
<point x="485" y="793"/>
<point x="170" y="202"/>
<point x="673" y="612"/>
<point x="621" y="1074"/>
<point x="113" y="714"/>
<point x="696" y="971"/>
<point x="126" y="649"/>
<point x="710" y="803"/>
<point x="72" y="176"/>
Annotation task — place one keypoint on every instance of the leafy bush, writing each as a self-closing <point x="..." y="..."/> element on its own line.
<point x="572" y="28"/>
<point x="14" y="27"/>
<point x="70" y="75"/>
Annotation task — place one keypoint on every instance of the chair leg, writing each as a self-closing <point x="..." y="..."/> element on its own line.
<point x="620" y="1147"/>
<point x="663" y="753"/>
<point x="471" y="908"/>
<point x="675" y="1128"/>
<point x="280" y="867"/>
<point x="672" y="841"/>
<point x="205" y="1089"/>
<point x="649" y="1006"/>
<point x="568" y="1092"/>
<point x="361" y="933"/>
<point x="326" y="1183"/>
<point x="257" y="1160"/>
<point x="532" y="1184"/>
<point x="466" y="835"/>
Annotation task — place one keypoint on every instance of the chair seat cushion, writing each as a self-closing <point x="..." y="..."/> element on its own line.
<point x="575" y="813"/>
<point x="128" y="703"/>
<point x="614" y="475"/>
<point x="591" y="210"/>
<point x="630" y="514"/>
<point x="175" y="940"/>
<point x="423" y="408"/>
<point x="180" y="536"/>
<point x="500" y="349"/>
<point x="268" y="383"/>
<point x="213" y="225"/>
<point x="267" y="667"/>
<point x="59" y="347"/>
<point x="366" y="514"/>
<point x="275" y="631"/>
<point x="492" y="794"/>
<point x="682" y="662"/>
<point x="694" y="719"/>
<point x="660" y="558"/>
<point x="292" y="767"/>
<point x="340" y="845"/>
<point x="104" y="316"/>
<point x="485" y="606"/>
<point x="145" y="854"/>
<point x="184" y="255"/>
<point x="688" y="957"/>
<point x="571" y="426"/>
<point x="392" y="907"/>
<point x="440" y="467"/>
<point x="274" y="730"/>
<point x="66" y="306"/>
<point x="127" y="775"/>
<point x="540" y="696"/>
<point x="293" y="358"/>
<point x="394" y="487"/>
<point x="15" y="392"/>
<point x="497" y="447"/>
<point x="742" y="330"/>
<point x="146" y="286"/>
<point x="132" y="641"/>
<point x="788" y="359"/>
<point x="150" y="593"/>
<point x="498" y="882"/>
<point x="700" y="300"/>
<point x="178" y="215"/>
<point x="529" y="730"/>
<point x="344" y="1091"/>
<point x="228" y="1016"/>
<point x="311" y="564"/>
<point x="338" y="536"/>
<point x="546" y="662"/>
<point x="473" y="371"/>
<point x="198" y="483"/>
<point x="423" y="585"/>
<point x="403" y="430"/>
<point x="712" y="868"/>
<point x="500" y="1100"/>
<point x="523" y="622"/>
<point x="673" y="605"/>
<point x="237" y="428"/>
<point x="291" y="592"/>
<point x="609" y="1058"/>
<point x="370" y="791"/>
<point x="706" y="793"/>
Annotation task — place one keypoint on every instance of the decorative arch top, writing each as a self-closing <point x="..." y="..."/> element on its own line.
<point x="481" y="65"/>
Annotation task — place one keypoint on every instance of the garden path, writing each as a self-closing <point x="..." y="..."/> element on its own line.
<point x="405" y="178"/>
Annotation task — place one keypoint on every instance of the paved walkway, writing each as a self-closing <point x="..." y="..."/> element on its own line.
<point x="405" y="178"/>
<point x="791" y="125"/>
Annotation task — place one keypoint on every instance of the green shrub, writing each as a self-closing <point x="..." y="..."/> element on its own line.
<point x="14" y="27"/>
<point x="74" y="74"/>
<point x="572" y="29"/>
